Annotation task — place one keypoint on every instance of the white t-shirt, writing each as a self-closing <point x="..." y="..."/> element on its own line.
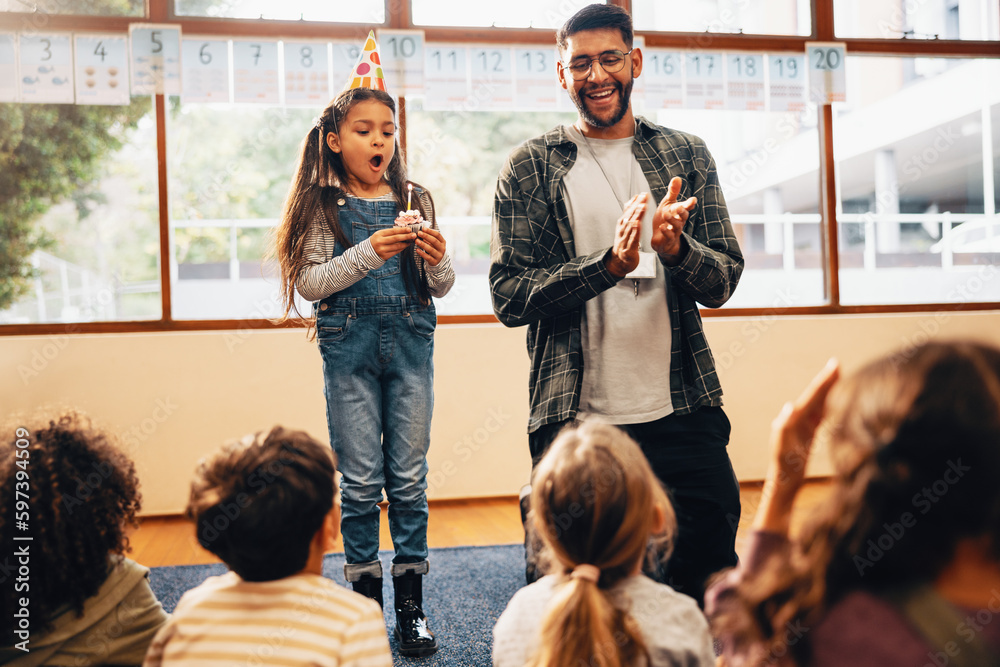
<point x="673" y="628"/>
<point x="626" y="336"/>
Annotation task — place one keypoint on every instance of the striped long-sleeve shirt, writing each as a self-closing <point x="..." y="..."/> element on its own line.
<point x="300" y="620"/>
<point x="328" y="274"/>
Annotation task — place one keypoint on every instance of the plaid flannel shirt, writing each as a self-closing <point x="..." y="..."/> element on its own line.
<point x="537" y="279"/>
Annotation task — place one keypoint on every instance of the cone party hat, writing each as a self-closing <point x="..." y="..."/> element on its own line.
<point x="368" y="71"/>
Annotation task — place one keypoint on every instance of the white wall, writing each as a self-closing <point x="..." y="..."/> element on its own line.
<point x="176" y="397"/>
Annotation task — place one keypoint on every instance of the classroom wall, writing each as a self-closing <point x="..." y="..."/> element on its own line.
<point x="177" y="396"/>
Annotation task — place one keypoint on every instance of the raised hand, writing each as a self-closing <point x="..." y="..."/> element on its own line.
<point x="668" y="223"/>
<point x="624" y="256"/>
<point x="392" y="241"/>
<point x="792" y="435"/>
<point x="430" y="245"/>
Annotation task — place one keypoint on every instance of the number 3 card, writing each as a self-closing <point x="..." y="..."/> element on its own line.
<point x="46" y="69"/>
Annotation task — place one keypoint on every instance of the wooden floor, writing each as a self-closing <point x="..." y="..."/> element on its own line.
<point x="170" y="540"/>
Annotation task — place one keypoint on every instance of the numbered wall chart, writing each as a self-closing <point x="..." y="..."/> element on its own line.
<point x="307" y="73"/>
<point x="745" y="82"/>
<point x="446" y="81"/>
<point x="156" y="55"/>
<point x="255" y="72"/>
<point x="402" y="53"/>
<point x="206" y="70"/>
<point x="101" y="69"/>
<point x="8" y="67"/>
<point x="664" y="74"/>
<point x="704" y="81"/>
<point x="345" y="57"/>
<point x="536" y="81"/>
<point x="46" y="71"/>
<point x="492" y="83"/>
<point x="787" y="90"/>
<point x="827" y="81"/>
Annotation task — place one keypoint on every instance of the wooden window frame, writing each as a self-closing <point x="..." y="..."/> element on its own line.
<point x="398" y="16"/>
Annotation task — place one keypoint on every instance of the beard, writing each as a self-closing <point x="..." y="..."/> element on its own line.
<point x="624" y="95"/>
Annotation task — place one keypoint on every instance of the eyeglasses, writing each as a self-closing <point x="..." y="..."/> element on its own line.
<point x="611" y="61"/>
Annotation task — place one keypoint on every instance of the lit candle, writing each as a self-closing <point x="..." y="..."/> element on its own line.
<point x="409" y="195"/>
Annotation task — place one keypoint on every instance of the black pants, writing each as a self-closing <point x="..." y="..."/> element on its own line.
<point x="688" y="454"/>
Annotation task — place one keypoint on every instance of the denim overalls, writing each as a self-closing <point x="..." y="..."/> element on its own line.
<point x="377" y="347"/>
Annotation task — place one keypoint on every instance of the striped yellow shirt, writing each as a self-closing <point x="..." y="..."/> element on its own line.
<point x="304" y="619"/>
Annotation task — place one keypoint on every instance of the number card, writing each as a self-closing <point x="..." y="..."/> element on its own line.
<point x="206" y="70"/>
<point x="307" y="73"/>
<point x="8" y="67"/>
<point x="101" y="63"/>
<point x="402" y="53"/>
<point x="492" y="86"/>
<point x="537" y="86"/>
<point x="446" y="81"/>
<point x="46" y="68"/>
<point x="156" y="56"/>
<point x="664" y="74"/>
<point x="345" y="57"/>
<point x="827" y="81"/>
<point x="787" y="90"/>
<point x="745" y="82"/>
<point x="255" y="72"/>
<point x="704" y="81"/>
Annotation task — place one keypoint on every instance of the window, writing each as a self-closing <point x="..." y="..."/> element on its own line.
<point x="548" y="14"/>
<point x="918" y="19"/>
<point x="356" y="11"/>
<point x="768" y="166"/>
<point x="78" y="7"/>
<point x="457" y="156"/>
<point x="230" y="167"/>
<point x="80" y="203"/>
<point x="918" y="200"/>
<point x="758" y="17"/>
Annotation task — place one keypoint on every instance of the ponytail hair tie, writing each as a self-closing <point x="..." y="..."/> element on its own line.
<point x="586" y="572"/>
<point x="318" y="123"/>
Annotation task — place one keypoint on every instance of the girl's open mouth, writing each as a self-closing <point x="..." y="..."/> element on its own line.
<point x="376" y="161"/>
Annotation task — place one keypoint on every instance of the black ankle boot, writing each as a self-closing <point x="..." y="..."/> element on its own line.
<point x="370" y="587"/>
<point x="411" y="630"/>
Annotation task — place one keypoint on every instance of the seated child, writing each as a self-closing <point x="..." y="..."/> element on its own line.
<point x="900" y="565"/>
<point x="265" y="506"/>
<point x="70" y="597"/>
<point x="596" y="504"/>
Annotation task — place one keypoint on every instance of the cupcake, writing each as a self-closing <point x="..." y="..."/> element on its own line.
<point x="412" y="219"/>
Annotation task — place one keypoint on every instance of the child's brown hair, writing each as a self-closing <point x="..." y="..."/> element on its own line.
<point x="258" y="502"/>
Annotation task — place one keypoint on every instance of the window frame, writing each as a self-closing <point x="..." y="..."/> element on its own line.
<point x="398" y="16"/>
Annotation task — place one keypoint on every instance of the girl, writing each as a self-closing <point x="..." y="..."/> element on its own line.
<point x="901" y="565"/>
<point x="595" y="503"/>
<point x="67" y="488"/>
<point x="371" y="285"/>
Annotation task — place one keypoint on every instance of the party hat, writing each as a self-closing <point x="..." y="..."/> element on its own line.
<point x="368" y="72"/>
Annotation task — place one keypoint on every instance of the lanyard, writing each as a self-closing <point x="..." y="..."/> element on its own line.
<point x="631" y="171"/>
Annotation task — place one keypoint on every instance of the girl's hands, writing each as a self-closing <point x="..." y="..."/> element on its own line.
<point x="390" y="242"/>
<point x="430" y="246"/>
<point x="792" y="435"/>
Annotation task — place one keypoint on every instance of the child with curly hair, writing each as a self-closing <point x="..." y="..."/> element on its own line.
<point x="68" y="496"/>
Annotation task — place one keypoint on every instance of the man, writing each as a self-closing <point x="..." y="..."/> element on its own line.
<point x="607" y="278"/>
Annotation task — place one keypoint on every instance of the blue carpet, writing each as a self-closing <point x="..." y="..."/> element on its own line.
<point x="464" y="594"/>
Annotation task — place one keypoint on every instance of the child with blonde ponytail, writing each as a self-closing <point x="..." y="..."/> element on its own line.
<point x="596" y="505"/>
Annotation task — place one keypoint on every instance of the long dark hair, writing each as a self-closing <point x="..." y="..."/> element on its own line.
<point x="926" y="420"/>
<point x="318" y="184"/>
